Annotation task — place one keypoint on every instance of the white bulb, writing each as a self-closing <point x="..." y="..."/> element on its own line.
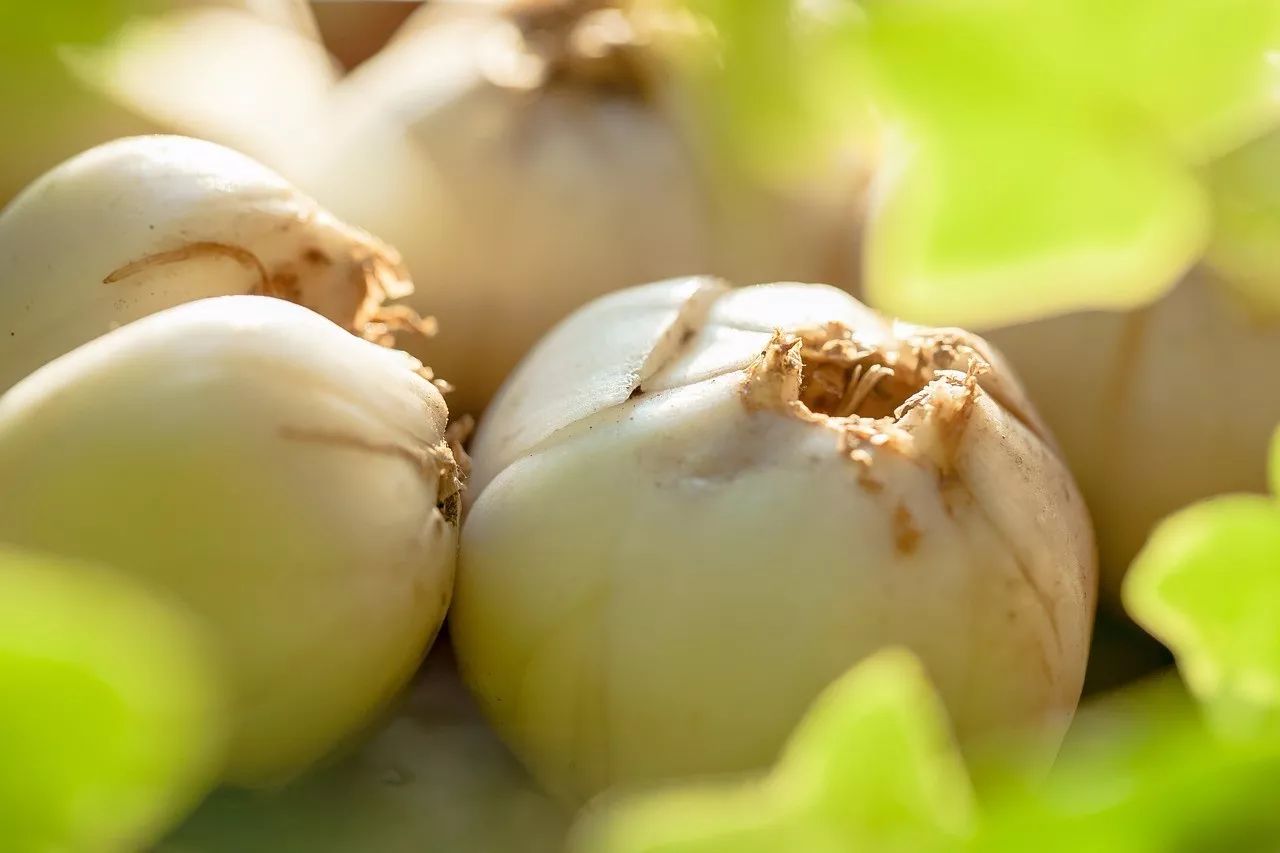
<point x="1156" y="408"/>
<point x="288" y="481"/>
<point x="528" y="157"/>
<point x="695" y="506"/>
<point x="142" y="224"/>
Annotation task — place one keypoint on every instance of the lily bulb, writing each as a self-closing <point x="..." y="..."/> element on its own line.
<point x="695" y="506"/>
<point x="1156" y="408"/>
<point x="528" y="156"/>
<point x="146" y="223"/>
<point x="286" y="480"/>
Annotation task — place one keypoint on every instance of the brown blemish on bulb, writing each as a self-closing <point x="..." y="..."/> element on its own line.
<point x="869" y="483"/>
<point x="284" y="285"/>
<point x="956" y="496"/>
<point x="906" y="536"/>
<point x="316" y="257"/>
<point x="239" y="254"/>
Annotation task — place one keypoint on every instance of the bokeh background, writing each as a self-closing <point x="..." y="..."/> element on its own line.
<point x="1121" y="243"/>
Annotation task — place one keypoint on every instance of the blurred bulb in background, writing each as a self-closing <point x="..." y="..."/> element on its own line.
<point x="526" y="157"/>
<point x="74" y="75"/>
<point x="354" y="30"/>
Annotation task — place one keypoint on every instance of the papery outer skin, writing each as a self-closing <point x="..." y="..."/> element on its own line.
<point x="277" y="474"/>
<point x="184" y="81"/>
<point x="658" y="586"/>
<point x="515" y="206"/>
<point x="1155" y="409"/>
<point x="121" y="203"/>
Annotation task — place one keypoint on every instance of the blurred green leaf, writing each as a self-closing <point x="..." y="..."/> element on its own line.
<point x="1140" y="773"/>
<point x="1194" y="76"/>
<point x="1245" y="249"/>
<point x="46" y="114"/>
<point x="1040" y="152"/>
<point x="777" y="117"/>
<point x="31" y="29"/>
<point x="1000" y="223"/>
<point x="872" y="767"/>
<point x="111" y="724"/>
<point x="1207" y="585"/>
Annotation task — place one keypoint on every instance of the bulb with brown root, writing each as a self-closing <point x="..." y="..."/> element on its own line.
<point x="528" y="156"/>
<point x="143" y="224"/>
<point x="696" y="505"/>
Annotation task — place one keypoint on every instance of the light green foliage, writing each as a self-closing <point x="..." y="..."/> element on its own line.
<point x="1208" y="585"/>
<point x="779" y="90"/>
<point x="1141" y="774"/>
<point x="110" y="722"/>
<point x="30" y="29"/>
<point x="1039" y="154"/>
<point x="32" y="33"/>
<point x="871" y="767"/>
<point x="1245" y="249"/>
<point x="871" y="770"/>
<point x="46" y="115"/>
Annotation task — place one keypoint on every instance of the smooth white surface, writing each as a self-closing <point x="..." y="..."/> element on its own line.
<point x="660" y="587"/>
<point x="272" y="471"/>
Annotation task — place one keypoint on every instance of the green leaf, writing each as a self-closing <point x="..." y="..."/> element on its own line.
<point x="1207" y="585"/>
<point x="999" y="224"/>
<point x="1245" y="249"/>
<point x="1198" y="73"/>
<point x="772" y="91"/>
<point x="110" y="726"/>
<point x="1141" y="773"/>
<point x="1023" y="180"/>
<point x="871" y="767"/>
<point x="1040" y="152"/>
